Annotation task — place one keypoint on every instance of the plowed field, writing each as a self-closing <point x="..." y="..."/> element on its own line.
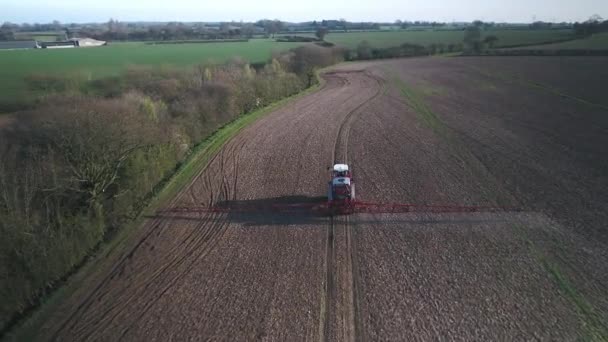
<point x="464" y="131"/>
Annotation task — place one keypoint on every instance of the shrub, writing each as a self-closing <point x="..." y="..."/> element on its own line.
<point x="364" y="50"/>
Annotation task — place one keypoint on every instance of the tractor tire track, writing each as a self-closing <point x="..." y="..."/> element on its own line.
<point x="218" y="231"/>
<point x="345" y="327"/>
<point x="329" y="293"/>
<point x="160" y="277"/>
<point x="201" y="238"/>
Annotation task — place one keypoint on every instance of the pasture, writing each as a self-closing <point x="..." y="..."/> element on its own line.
<point x="395" y="38"/>
<point x="15" y="65"/>
<point x="598" y="41"/>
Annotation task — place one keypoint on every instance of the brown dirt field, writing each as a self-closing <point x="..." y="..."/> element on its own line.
<point x="5" y="120"/>
<point x="574" y="76"/>
<point x="455" y="135"/>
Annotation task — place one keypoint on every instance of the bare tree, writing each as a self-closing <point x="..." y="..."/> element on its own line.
<point x="490" y="40"/>
<point x="272" y="27"/>
<point x="248" y="30"/>
<point x="364" y="50"/>
<point x="93" y="138"/>
<point x="343" y="24"/>
<point x="321" y="32"/>
<point x="112" y="25"/>
<point x="308" y="58"/>
<point x="472" y="39"/>
<point x="596" y="18"/>
<point x="56" y="25"/>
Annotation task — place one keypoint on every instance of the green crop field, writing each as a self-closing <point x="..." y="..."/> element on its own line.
<point x="598" y="41"/>
<point x="111" y="59"/>
<point x="97" y="62"/>
<point x="394" y="38"/>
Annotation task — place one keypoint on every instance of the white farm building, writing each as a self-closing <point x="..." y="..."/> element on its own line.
<point x="64" y="44"/>
<point x="72" y="43"/>
<point x="87" y="42"/>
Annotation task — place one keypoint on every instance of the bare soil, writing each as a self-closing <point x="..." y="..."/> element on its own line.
<point x="427" y="131"/>
<point x="5" y="120"/>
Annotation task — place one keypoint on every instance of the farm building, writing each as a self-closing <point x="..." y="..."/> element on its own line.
<point x="88" y="42"/>
<point x="19" y="44"/>
<point x="58" y="45"/>
<point x="72" y="43"/>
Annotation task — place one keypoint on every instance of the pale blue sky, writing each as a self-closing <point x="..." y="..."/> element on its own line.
<point x="298" y="10"/>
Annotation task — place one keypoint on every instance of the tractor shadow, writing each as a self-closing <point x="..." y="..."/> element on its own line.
<point x="273" y="211"/>
<point x="278" y="211"/>
<point x="310" y="211"/>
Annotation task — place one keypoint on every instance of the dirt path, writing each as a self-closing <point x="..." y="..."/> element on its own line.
<point x="255" y="276"/>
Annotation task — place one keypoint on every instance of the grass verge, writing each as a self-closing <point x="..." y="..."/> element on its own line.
<point x="30" y="328"/>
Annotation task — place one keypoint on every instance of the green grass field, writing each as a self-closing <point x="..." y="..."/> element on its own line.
<point x="395" y="38"/>
<point x="597" y="41"/>
<point x="111" y="59"/>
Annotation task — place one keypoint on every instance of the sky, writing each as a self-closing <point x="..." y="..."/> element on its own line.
<point x="79" y="11"/>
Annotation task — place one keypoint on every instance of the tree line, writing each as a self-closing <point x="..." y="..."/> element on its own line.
<point x="115" y="30"/>
<point x="594" y="25"/>
<point x="473" y="42"/>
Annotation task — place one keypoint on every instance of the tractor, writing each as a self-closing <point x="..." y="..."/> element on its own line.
<point x="341" y="190"/>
